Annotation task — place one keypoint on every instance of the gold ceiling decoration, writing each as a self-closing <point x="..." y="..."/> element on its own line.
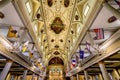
<point x="57" y="26"/>
<point x="66" y="3"/>
<point x="56" y="53"/>
<point x="50" y="2"/>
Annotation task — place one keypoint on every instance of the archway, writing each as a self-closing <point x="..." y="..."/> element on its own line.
<point x="56" y="61"/>
<point x="56" y="69"/>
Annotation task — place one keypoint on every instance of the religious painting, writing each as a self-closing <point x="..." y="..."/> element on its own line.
<point x="57" y="26"/>
<point x="66" y="3"/>
<point x="50" y="2"/>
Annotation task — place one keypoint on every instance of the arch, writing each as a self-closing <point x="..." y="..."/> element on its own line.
<point x="56" y="60"/>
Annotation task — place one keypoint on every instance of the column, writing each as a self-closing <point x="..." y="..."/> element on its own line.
<point x="93" y="77"/>
<point x="72" y="78"/>
<point x="8" y="76"/>
<point x="33" y="75"/>
<point x="77" y="76"/>
<point x="100" y="77"/>
<point x="6" y="70"/>
<point x="16" y="77"/>
<point x="113" y="10"/>
<point x="104" y="71"/>
<point x="25" y="75"/>
<point x="38" y="77"/>
<point x="115" y="74"/>
<point x="86" y="75"/>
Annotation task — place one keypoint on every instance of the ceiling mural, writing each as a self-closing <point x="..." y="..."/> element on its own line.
<point x="57" y="26"/>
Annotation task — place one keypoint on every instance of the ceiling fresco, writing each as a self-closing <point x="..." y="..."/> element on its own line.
<point x="57" y="26"/>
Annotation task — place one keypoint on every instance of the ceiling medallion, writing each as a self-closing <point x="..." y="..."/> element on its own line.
<point x="38" y="15"/>
<point x="76" y="17"/>
<point x="50" y="2"/>
<point x="56" y="53"/>
<point x="66" y="3"/>
<point x="61" y="40"/>
<point x="52" y="40"/>
<point x="56" y="46"/>
<point x="72" y="31"/>
<point x="44" y="40"/>
<point x="69" y="41"/>
<point x="57" y="26"/>
<point x="42" y="31"/>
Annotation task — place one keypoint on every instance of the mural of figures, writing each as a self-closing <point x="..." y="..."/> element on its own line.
<point x="66" y="3"/>
<point x="50" y="2"/>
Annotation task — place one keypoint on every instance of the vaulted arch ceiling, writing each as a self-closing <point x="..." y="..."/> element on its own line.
<point x="58" y="24"/>
<point x="57" y="20"/>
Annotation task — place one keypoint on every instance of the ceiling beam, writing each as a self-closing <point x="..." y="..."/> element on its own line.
<point x="107" y="29"/>
<point x="111" y="40"/>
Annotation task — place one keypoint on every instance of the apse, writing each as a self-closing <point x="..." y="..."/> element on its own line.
<point x="55" y="61"/>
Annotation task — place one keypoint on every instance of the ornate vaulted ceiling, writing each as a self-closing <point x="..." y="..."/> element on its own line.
<point x="56" y="26"/>
<point x="56" y="29"/>
<point x="63" y="21"/>
<point x="57" y="14"/>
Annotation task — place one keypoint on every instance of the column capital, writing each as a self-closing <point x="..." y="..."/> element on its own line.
<point x="9" y="61"/>
<point x="101" y="62"/>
